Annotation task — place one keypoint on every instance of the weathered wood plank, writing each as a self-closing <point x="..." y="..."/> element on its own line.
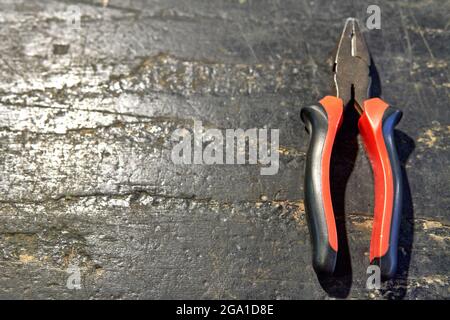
<point x="86" y="118"/>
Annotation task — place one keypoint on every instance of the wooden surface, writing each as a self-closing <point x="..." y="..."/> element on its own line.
<point x="86" y="178"/>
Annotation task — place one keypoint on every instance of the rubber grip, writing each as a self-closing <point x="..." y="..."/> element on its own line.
<point x="376" y="126"/>
<point x="322" y="123"/>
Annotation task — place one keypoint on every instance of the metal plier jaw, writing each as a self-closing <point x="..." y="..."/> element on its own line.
<point x="352" y="86"/>
<point x="351" y="68"/>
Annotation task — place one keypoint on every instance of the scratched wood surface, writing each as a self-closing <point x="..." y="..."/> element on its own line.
<point x="86" y="117"/>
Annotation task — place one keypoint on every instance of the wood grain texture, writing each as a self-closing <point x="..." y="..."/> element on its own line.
<point x="86" y="118"/>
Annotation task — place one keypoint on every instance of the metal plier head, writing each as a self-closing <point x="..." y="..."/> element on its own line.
<point x="351" y="66"/>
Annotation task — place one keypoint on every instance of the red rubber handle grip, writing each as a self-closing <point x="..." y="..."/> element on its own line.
<point x="322" y="122"/>
<point x="376" y="126"/>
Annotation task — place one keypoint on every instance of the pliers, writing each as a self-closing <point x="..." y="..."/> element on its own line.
<point x="352" y="72"/>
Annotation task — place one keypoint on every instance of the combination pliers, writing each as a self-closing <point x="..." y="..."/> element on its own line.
<point x="352" y="82"/>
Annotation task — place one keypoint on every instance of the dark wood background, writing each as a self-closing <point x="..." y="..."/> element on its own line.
<point x="86" y="118"/>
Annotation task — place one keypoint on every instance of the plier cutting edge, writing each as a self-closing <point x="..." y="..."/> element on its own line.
<point x="352" y="86"/>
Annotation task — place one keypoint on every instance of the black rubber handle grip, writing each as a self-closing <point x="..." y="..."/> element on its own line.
<point x="377" y="125"/>
<point x="322" y="123"/>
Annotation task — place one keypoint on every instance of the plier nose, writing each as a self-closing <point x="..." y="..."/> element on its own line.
<point x="351" y="68"/>
<point x="351" y="87"/>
